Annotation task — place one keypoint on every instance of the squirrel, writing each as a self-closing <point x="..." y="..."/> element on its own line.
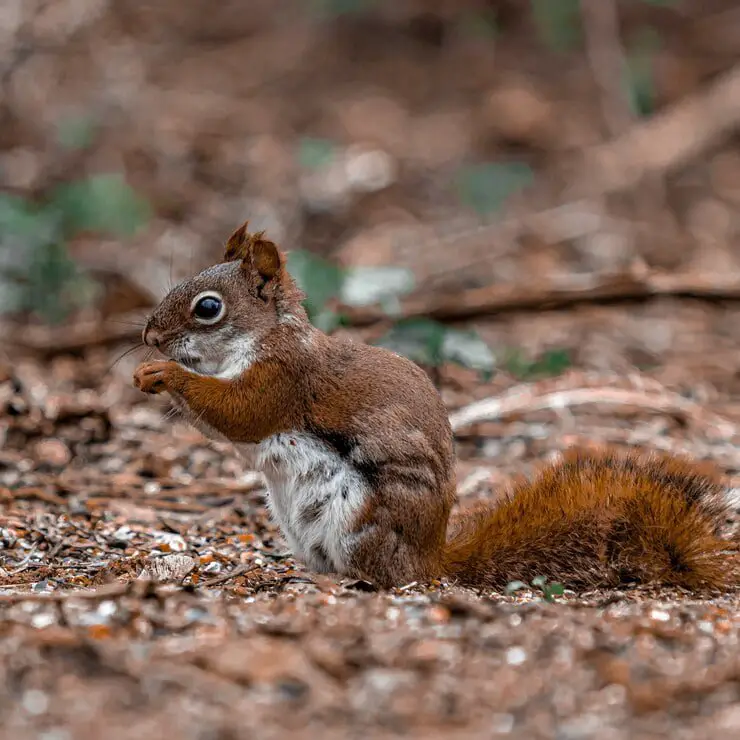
<point x="357" y="450"/>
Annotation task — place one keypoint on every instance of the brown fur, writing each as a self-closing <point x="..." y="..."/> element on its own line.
<point x="595" y="519"/>
<point x="601" y="519"/>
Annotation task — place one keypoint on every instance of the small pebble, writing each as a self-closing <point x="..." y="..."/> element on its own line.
<point x="516" y="656"/>
<point x="52" y="452"/>
<point x="107" y="608"/>
<point x="659" y="615"/>
<point x="35" y="702"/>
<point x="42" y="620"/>
<point x="502" y="724"/>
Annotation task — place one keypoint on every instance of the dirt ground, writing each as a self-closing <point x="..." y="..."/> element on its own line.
<point x="143" y="590"/>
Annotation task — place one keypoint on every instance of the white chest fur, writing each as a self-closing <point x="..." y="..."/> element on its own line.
<point x="314" y="495"/>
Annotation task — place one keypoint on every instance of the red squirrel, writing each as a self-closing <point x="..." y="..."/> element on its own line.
<point x="357" y="450"/>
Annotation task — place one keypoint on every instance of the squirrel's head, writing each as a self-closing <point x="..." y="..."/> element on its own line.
<point x="215" y="322"/>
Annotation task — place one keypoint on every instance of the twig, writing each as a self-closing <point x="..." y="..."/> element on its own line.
<point x="520" y="400"/>
<point x="180" y="506"/>
<point x="47" y="555"/>
<point x="23" y="565"/>
<point x="75" y="337"/>
<point x="263" y="585"/>
<point x="103" y="592"/>
<point x="240" y="570"/>
<point x="570" y="291"/>
<point x="32" y="492"/>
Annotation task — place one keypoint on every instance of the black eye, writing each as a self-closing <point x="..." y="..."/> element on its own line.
<point x="208" y="309"/>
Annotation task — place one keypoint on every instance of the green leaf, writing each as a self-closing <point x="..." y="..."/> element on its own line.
<point x="326" y="320"/>
<point x="428" y="342"/>
<point x="15" y="212"/>
<point x="36" y="270"/>
<point x="480" y="24"/>
<point x="551" y="363"/>
<point x="76" y="132"/>
<point x="466" y="348"/>
<point x="420" y="340"/>
<point x="639" y="75"/>
<point x="102" y="204"/>
<point x="53" y="284"/>
<point x="539" y="581"/>
<point x="552" y="590"/>
<point x="364" y="286"/>
<point x="558" y="22"/>
<point x="24" y="229"/>
<point x="320" y="280"/>
<point x="12" y="296"/>
<point x="18" y="217"/>
<point x="486" y="187"/>
<point x="514" y="586"/>
<point x="315" y="153"/>
<point x="333" y="8"/>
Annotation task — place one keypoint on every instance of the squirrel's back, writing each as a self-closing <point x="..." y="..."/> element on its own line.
<point x="601" y="519"/>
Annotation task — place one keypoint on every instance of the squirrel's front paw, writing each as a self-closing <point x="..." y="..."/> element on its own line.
<point x="152" y="377"/>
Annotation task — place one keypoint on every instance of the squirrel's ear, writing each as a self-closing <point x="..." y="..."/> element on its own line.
<point x="265" y="257"/>
<point x="237" y="247"/>
<point x="254" y="252"/>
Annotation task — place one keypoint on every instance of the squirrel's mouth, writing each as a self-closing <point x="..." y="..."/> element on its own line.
<point x="191" y="362"/>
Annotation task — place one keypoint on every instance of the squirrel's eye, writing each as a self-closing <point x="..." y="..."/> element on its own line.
<point x="208" y="309"/>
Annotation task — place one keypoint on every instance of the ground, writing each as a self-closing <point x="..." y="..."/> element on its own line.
<point x="144" y="591"/>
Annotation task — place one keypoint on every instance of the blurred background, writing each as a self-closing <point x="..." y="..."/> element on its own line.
<point x="513" y="185"/>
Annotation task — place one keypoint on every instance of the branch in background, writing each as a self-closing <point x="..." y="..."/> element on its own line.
<point x="607" y="61"/>
<point x="653" y="146"/>
<point x="667" y="140"/>
<point x="649" y="147"/>
<point x="569" y="291"/>
<point x="662" y="143"/>
<point x="609" y="66"/>
<point x="529" y="398"/>
<point x="493" y="299"/>
<point x="75" y="337"/>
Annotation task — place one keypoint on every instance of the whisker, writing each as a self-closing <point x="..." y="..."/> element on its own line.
<point x="126" y="353"/>
<point x="198" y="419"/>
<point x="172" y="260"/>
<point x="123" y="322"/>
<point x="171" y="413"/>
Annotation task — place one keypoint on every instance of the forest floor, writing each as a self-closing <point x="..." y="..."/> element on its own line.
<point x="145" y="592"/>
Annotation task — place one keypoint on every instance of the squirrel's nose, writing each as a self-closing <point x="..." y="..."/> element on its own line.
<point x="151" y="337"/>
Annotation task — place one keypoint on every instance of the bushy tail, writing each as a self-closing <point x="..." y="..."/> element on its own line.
<point x="602" y="519"/>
